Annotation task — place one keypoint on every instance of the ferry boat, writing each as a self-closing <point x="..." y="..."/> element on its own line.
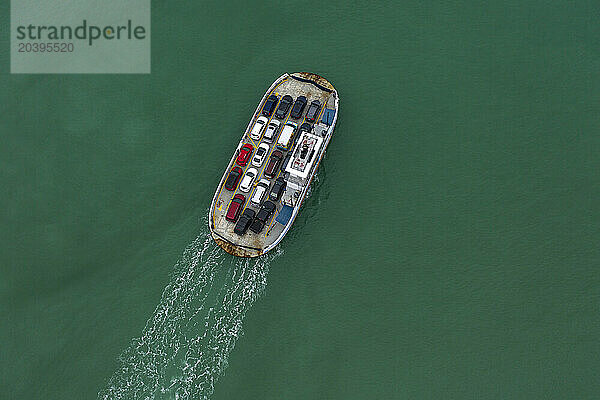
<point x="267" y="179"/>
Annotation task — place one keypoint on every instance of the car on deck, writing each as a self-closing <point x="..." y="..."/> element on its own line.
<point x="284" y="106"/>
<point x="248" y="179"/>
<point x="258" y="128"/>
<point x="261" y="153"/>
<point x="313" y="110"/>
<point x="306" y="127"/>
<point x="256" y="226"/>
<point x="259" y="193"/>
<point x="271" y="131"/>
<point x="233" y="178"/>
<point x="265" y="211"/>
<point x="263" y="215"/>
<point x="277" y="189"/>
<point x="269" y="106"/>
<point x="244" y="222"/>
<point x="244" y="155"/>
<point x="298" y="107"/>
<point x="273" y="165"/>
<point x="287" y="133"/>
<point x="235" y="207"/>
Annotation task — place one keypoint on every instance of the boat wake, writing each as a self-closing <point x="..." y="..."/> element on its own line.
<point x="185" y="345"/>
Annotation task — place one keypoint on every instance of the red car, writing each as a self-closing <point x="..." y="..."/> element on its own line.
<point x="235" y="207"/>
<point x="233" y="178"/>
<point x="244" y="156"/>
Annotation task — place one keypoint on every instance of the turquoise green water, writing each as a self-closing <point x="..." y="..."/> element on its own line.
<point x="449" y="248"/>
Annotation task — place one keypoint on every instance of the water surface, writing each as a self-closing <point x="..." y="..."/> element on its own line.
<point x="449" y="248"/>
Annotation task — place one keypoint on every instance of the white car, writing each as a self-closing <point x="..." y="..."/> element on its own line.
<point x="261" y="189"/>
<point x="260" y="154"/>
<point x="271" y="131"/>
<point x="258" y="127"/>
<point x="285" y="139"/>
<point x="248" y="179"/>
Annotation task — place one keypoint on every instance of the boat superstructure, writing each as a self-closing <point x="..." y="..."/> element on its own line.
<point x="296" y="136"/>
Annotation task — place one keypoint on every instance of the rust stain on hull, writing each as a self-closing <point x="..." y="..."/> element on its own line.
<point x="315" y="78"/>
<point x="236" y="250"/>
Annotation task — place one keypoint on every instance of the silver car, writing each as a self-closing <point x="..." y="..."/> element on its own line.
<point x="271" y="131"/>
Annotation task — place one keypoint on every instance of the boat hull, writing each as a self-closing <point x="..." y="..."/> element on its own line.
<point x="299" y="171"/>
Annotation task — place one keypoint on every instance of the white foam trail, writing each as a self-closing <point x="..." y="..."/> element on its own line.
<point x="185" y="345"/>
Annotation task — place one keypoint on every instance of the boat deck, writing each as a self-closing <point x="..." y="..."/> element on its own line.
<point x="313" y="87"/>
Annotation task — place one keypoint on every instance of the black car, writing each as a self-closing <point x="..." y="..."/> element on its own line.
<point x="265" y="211"/>
<point x="233" y="178"/>
<point x="269" y="106"/>
<point x="313" y="110"/>
<point x="306" y="127"/>
<point x="284" y="106"/>
<point x="257" y="225"/>
<point x="298" y="107"/>
<point x="263" y="215"/>
<point x="277" y="189"/>
<point x="244" y="222"/>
